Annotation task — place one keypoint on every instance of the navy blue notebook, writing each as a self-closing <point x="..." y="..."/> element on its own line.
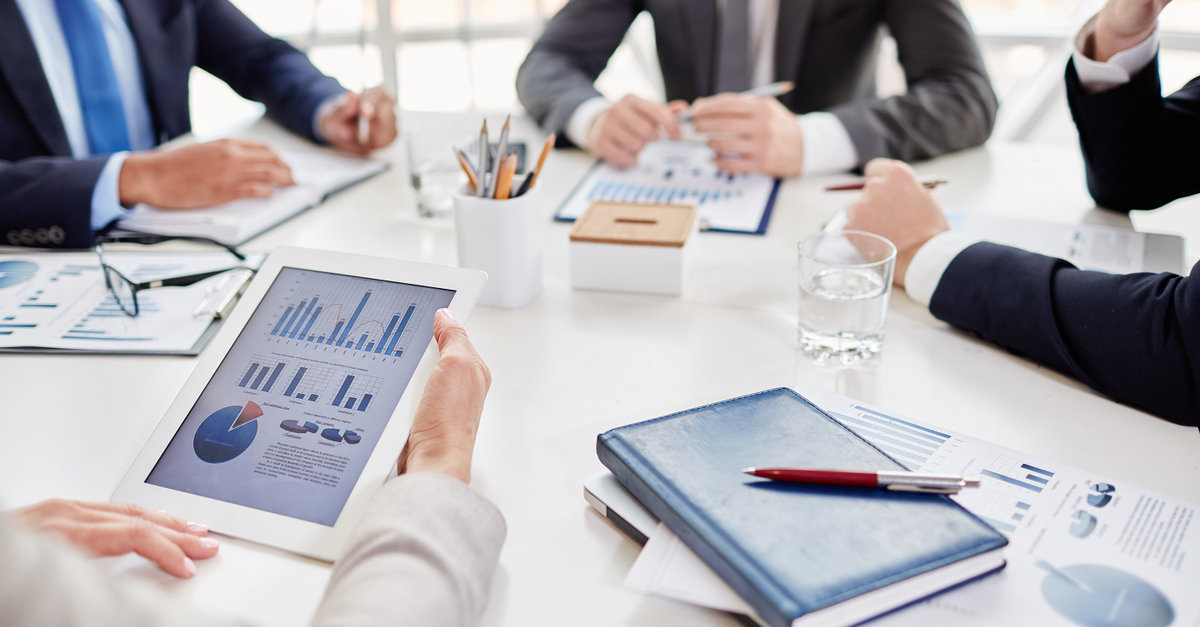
<point x="798" y="554"/>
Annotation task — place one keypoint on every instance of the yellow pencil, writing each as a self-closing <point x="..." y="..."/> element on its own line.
<point x="505" y="176"/>
<point x="531" y="178"/>
<point x="466" y="166"/>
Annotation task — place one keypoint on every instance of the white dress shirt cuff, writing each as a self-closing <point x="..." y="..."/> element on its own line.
<point x="1119" y="69"/>
<point x="326" y="106"/>
<point x="106" y="195"/>
<point x="827" y="144"/>
<point x="581" y="120"/>
<point x="930" y="262"/>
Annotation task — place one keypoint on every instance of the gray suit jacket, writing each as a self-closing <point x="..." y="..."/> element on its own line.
<point x="827" y="47"/>
<point x="423" y="555"/>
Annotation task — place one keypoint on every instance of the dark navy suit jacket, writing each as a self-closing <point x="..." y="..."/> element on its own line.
<point x="1140" y="149"/>
<point x="1134" y="337"/>
<point x="45" y="193"/>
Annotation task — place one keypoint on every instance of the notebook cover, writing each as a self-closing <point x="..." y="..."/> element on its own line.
<point x="788" y="549"/>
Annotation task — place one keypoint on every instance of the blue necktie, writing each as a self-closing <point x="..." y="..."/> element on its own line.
<point x="95" y="80"/>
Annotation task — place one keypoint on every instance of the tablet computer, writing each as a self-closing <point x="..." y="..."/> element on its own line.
<point x="297" y="411"/>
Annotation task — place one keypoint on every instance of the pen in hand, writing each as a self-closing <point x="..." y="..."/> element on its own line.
<point x="364" y="120"/>
<point x="886" y="479"/>
<point x="928" y="181"/>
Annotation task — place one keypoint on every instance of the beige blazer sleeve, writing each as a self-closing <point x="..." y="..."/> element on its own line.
<point x="423" y="555"/>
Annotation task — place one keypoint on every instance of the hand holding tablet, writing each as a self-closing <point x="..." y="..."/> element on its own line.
<point x="295" y="413"/>
<point x="442" y="437"/>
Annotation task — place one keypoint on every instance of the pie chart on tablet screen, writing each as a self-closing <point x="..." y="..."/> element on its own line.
<point x="227" y="432"/>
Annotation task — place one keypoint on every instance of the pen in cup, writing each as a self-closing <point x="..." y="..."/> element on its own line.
<point x="886" y="479"/>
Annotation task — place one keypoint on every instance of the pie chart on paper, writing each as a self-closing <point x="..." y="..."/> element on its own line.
<point x="16" y="272"/>
<point x="227" y="433"/>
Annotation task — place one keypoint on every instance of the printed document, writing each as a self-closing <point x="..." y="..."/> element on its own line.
<point x="681" y="173"/>
<point x="59" y="301"/>
<point x="1084" y="548"/>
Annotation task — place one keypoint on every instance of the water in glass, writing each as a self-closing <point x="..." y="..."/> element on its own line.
<point x="842" y="313"/>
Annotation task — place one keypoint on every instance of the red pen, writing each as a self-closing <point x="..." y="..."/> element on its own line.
<point x="929" y="183"/>
<point x="887" y="479"/>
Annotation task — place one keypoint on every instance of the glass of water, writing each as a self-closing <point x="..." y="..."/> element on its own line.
<point x="433" y="169"/>
<point x="845" y="279"/>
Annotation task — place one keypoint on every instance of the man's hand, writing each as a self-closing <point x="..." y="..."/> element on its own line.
<point x="751" y="134"/>
<point x="895" y="205"/>
<point x="620" y="133"/>
<point x="104" y="529"/>
<point x="1123" y="24"/>
<point x="339" y="124"/>
<point x="442" y="437"/>
<point x="202" y="175"/>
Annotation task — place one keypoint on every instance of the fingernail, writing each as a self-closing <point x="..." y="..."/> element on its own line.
<point x="209" y="543"/>
<point x="197" y="528"/>
<point x="446" y="312"/>
<point x="189" y="566"/>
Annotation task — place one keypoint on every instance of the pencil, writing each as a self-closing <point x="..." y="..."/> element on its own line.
<point x="466" y="166"/>
<point x="501" y="155"/>
<point x="928" y="182"/>
<point x="483" y="160"/>
<point x="504" y="177"/>
<point x="531" y="178"/>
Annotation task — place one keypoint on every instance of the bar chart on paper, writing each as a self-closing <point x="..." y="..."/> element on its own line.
<point x="1083" y="549"/>
<point x="682" y="173"/>
<point x="360" y="320"/>
<point x="59" y="301"/>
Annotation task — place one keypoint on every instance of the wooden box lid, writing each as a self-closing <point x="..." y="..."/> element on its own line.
<point x="607" y="222"/>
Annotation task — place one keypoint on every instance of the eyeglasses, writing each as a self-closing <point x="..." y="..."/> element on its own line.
<point x="125" y="291"/>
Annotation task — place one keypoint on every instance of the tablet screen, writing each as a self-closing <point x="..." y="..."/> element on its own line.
<point x="291" y="415"/>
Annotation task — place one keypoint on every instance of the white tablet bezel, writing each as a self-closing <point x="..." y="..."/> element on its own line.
<point x="293" y="534"/>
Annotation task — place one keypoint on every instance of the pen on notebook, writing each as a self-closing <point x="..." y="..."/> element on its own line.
<point x="531" y="178"/>
<point x="501" y="155"/>
<point x="887" y="479"/>
<point x="769" y="90"/>
<point x="465" y="164"/>
<point x="929" y="182"/>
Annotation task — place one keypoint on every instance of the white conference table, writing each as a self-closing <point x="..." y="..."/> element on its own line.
<point x="573" y="364"/>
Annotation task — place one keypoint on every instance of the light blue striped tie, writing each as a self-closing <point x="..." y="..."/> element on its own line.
<point x="95" y="80"/>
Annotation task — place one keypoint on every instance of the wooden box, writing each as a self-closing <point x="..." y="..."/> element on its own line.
<point x="629" y="247"/>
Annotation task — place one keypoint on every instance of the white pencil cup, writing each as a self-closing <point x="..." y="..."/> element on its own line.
<point x="501" y="238"/>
